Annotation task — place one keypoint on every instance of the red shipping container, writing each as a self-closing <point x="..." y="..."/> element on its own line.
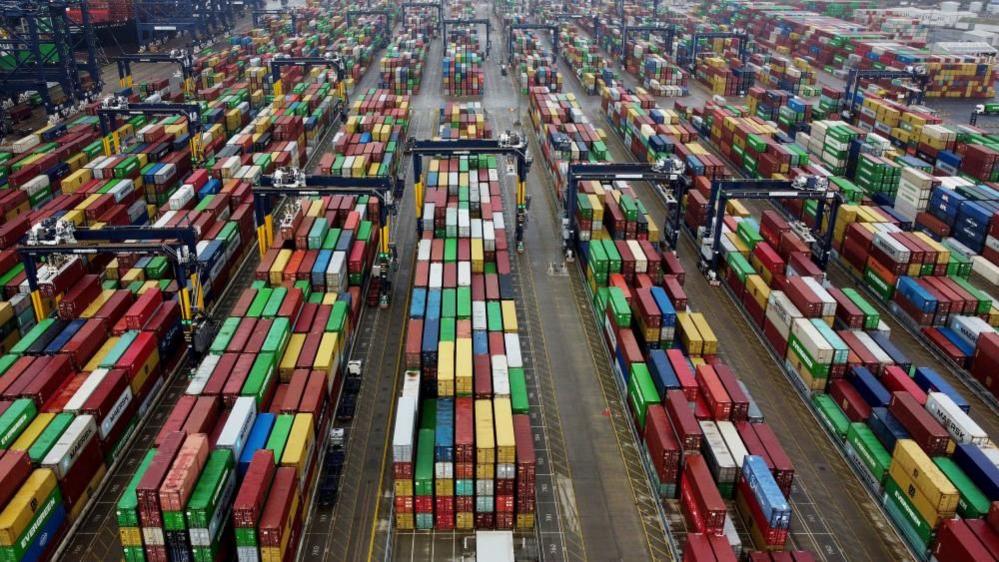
<point x="661" y="443"/>
<point x="79" y="296"/>
<point x="140" y="312"/>
<point x="738" y="398"/>
<point x="243" y="303"/>
<point x="803" y="298"/>
<point x="957" y="542"/>
<point x="108" y="401"/>
<point x="183" y="475"/>
<point x="715" y="398"/>
<point x="700" y="501"/>
<point x="249" y="503"/>
<point x="15" y="467"/>
<point x="464" y="430"/>
<point x="783" y="470"/>
<point x="985" y="361"/>
<point x="86" y="342"/>
<point x="115" y="308"/>
<point x="897" y="380"/>
<point x="175" y="421"/>
<point x="148" y="489"/>
<point x="922" y="427"/>
<point x="204" y="415"/>
<point x="683" y="372"/>
<point x="688" y="431"/>
<point x="45" y="379"/>
<point x="849" y="400"/>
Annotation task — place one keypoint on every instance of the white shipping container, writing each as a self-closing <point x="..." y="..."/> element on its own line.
<point x="512" y="344"/>
<point x="641" y="263"/>
<point x="336" y="273"/>
<point x="423" y="250"/>
<point x="781" y="312"/>
<point x="411" y="384"/>
<point x="961" y="427"/>
<point x="479" y="315"/>
<point x="70" y="445"/>
<point x="117" y="410"/>
<point x="501" y="375"/>
<point x="719" y="459"/>
<point x="969" y="327"/>
<point x="736" y="447"/>
<point x="894" y="249"/>
<point x="181" y="197"/>
<point x="872" y="346"/>
<point x="402" y="435"/>
<point x="444" y="470"/>
<point x="464" y="274"/>
<point x="828" y="303"/>
<point x="82" y="394"/>
<point x="436" y="275"/>
<point x="814" y="343"/>
<point x="237" y="426"/>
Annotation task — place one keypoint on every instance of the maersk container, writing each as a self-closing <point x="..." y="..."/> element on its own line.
<point x="961" y="427"/>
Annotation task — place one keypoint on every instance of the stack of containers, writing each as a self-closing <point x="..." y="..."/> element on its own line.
<point x="908" y="431"/>
<point x="725" y="77"/>
<point x="586" y="60"/>
<point x="461" y="67"/>
<point x="659" y="75"/>
<point x="269" y="385"/>
<point x="462" y="453"/>
<point x="750" y="141"/>
<point x="368" y="143"/>
<point x="566" y="134"/>
<point x="783" y="73"/>
<point x="533" y="65"/>
<point x="463" y="121"/>
<point x="790" y="112"/>
<point x="401" y="66"/>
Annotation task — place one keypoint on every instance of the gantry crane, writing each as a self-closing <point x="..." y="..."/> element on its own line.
<point x="113" y="107"/>
<point x="551" y="28"/>
<point x="917" y="74"/>
<point x="333" y="61"/>
<point x="484" y="22"/>
<point x="180" y="57"/>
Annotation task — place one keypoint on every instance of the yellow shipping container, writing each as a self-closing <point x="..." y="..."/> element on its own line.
<point x="506" y="443"/>
<point x="299" y="448"/>
<point x="445" y="368"/>
<point x="97" y="303"/>
<point x="403" y="487"/>
<point x="463" y="380"/>
<point x="758" y="289"/>
<point x="91" y="365"/>
<point x="290" y="357"/>
<point x="689" y="336"/>
<point x="277" y="268"/>
<point x="478" y="258"/>
<point x="31" y="433"/>
<point x="326" y="355"/>
<point x="330" y="298"/>
<point x="509" y="317"/>
<point x="75" y="180"/>
<point x="916" y="464"/>
<point x="31" y="496"/>
<point x="710" y="342"/>
<point x="485" y="440"/>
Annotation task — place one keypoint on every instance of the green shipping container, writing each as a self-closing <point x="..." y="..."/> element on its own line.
<point x="279" y="435"/>
<point x="518" y="391"/>
<point x="53" y="431"/>
<point x="881" y="288"/>
<point x="871" y="316"/>
<point x="226" y="332"/>
<point x="915" y="529"/>
<point x="260" y="381"/>
<point x="338" y="317"/>
<point x="45" y="511"/>
<point x="274" y="303"/>
<point x="212" y="496"/>
<point x="423" y="472"/>
<point x="449" y="303"/>
<point x="127" y="510"/>
<point x="256" y="309"/>
<point x="619" y="307"/>
<point x="277" y="337"/>
<point x="15" y="419"/>
<point x="973" y="503"/>
<point x="831" y="414"/>
<point x="869" y="450"/>
<point x="641" y="392"/>
<point x="21" y="347"/>
<point x="494" y="316"/>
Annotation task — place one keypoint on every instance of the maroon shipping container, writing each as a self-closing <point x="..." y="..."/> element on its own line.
<point x="661" y="443"/>
<point x="79" y="296"/>
<point x="249" y="502"/>
<point x="44" y="379"/>
<point x="772" y="225"/>
<point x="15" y="467"/>
<point x="846" y="311"/>
<point x="220" y="374"/>
<point x="148" y="489"/>
<point x="957" y="542"/>
<point x="802" y="296"/>
<point x="314" y="400"/>
<point x="849" y="400"/>
<point x="985" y="362"/>
<point x="698" y="548"/>
<point x="142" y="309"/>
<point x="277" y="509"/>
<point x="738" y="398"/>
<point x="86" y="342"/>
<point x="116" y="306"/>
<point x="204" y="415"/>
<point x="700" y="501"/>
<point x="293" y="391"/>
<point x="78" y="482"/>
<point x="241" y="370"/>
<point x="773" y="452"/>
<point x="110" y="403"/>
<point x="688" y="431"/>
<point x="178" y="415"/>
<point x="988" y="536"/>
<point x="243" y="303"/>
<point x="716" y="400"/>
<point x="464" y="431"/>
<point x="922" y="427"/>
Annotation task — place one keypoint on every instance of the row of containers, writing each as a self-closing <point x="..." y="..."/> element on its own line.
<point x="461" y="65"/>
<point x="648" y="59"/>
<point x="462" y="445"/>
<point x="938" y="231"/>
<point x="532" y="60"/>
<point x="841" y="356"/>
<point x="401" y="66"/>
<point x="830" y="43"/>
<point x="704" y="440"/>
<point x="243" y="453"/>
<point x="79" y="378"/>
<point x="970" y="467"/>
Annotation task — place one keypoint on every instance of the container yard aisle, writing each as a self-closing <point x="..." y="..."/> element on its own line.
<point x="603" y="461"/>
<point x="341" y="533"/>
<point x="828" y="500"/>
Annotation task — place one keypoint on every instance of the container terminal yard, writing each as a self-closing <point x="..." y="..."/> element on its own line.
<point x="498" y="280"/>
